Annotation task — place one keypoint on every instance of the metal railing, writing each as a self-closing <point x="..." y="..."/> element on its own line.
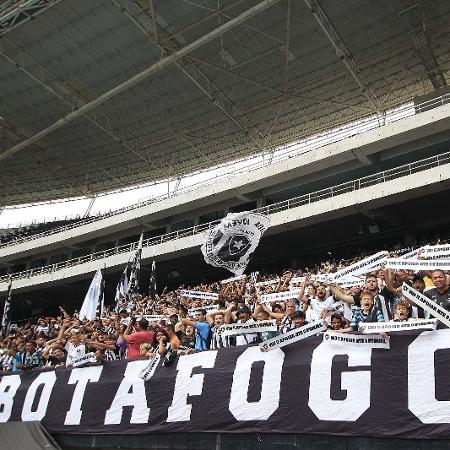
<point x="349" y="186"/>
<point x="307" y="145"/>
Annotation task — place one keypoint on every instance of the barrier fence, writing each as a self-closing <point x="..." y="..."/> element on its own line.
<point x="365" y="124"/>
<point x="349" y="186"/>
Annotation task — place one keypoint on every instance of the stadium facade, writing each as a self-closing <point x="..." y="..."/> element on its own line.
<point x="377" y="180"/>
<point x="100" y="96"/>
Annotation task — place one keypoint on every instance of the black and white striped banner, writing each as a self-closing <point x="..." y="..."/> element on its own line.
<point x="431" y="251"/>
<point x="200" y="295"/>
<point x="280" y="296"/>
<point x="206" y="308"/>
<point x="417" y="264"/>
<point x="364" y="266"/>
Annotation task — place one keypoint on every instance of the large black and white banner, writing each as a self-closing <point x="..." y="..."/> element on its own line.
<point x="230" y="243"/>
<point x="312" y="386"/>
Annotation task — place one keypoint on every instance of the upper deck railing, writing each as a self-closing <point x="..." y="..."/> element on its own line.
<point x="349" y="186"/>
<point x="286" y="152"/>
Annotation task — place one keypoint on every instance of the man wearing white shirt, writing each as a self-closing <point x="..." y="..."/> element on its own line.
<point x="75" y="350"/>
<point x="317" y="304"/>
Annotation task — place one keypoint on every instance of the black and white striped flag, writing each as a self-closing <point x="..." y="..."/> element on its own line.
<point x="6" y="316"/>
<point x="133" y="285"/>
<point x="101" y="306"/>
<point x="254" y="277"/>
<point x="152" y="286"/>
<point x="91" y="307"/>
<point x="122" y="287"/>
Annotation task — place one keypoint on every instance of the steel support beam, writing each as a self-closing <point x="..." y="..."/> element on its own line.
<point x="291" y="93"/>
<point x="89" y="208"/>
<point x="51" y="83"/>
<point x="412" y="14"/>
<point x="342" y="52"/>
<point x="17" y="16"/>
<point x="211" y="84"/>
<point x="141" y="76"/>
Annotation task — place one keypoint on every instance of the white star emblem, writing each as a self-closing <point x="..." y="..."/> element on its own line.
<point x="238" y="244"/>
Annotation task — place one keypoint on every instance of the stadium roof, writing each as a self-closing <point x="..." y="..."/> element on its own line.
<point x="97" y="96"/>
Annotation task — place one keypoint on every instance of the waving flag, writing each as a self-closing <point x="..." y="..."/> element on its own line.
<point x="230" y="244"/>
<point x="133" y="285"/>
<point x="152" y="285"/>
<point x="122" y="286"/>
<point x="94" y="297"/>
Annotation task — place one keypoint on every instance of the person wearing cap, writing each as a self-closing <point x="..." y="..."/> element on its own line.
<point x="141" y="335"/>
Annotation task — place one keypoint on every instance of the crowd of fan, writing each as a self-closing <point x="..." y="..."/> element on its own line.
<point x="170" y="323"/>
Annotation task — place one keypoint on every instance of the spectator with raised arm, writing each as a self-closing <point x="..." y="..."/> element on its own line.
<point x="135" y="334"/>
<point x="202" y="329"/>
<point x="366" y="313"/>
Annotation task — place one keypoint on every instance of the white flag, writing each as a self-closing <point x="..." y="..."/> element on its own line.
<point x="230" y="244"/>
<point x="91" y="304"/>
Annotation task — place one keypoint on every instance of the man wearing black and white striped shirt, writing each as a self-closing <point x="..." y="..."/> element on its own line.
<point x="216" y="319"/>
<point x="6" y="360"/>
<point x="111" y="352"/>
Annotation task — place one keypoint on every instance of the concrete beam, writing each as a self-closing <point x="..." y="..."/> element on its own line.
<point x="242" y="198"/>
<point x="141" y="76"/>
<point x="383" y="143"/>
<point x="365" y="199"/>
<point x="362" y="158"/>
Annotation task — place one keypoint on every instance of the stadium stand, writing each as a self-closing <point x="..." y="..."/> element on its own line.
<point x="106" y="336"/>
<point x="23" y="233"/>
<point x="331" y="119"/>
<point x="303" y="200"/>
